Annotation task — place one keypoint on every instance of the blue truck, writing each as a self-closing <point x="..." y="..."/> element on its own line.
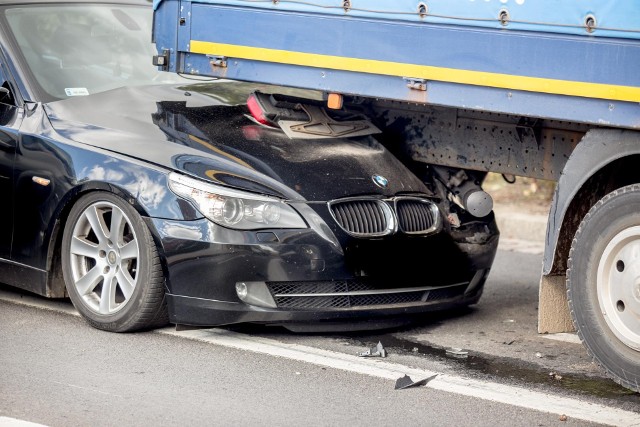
<point x="542" y="89"/>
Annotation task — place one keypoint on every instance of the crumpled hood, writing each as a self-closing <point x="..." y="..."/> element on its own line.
<point x="202" y="130"/>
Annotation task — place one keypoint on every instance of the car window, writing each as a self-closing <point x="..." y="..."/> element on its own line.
<point x="6" y="96"/>
<point x="5" y="93"/>
<point x="77" y="50"/>
<point x="8" y="113"/>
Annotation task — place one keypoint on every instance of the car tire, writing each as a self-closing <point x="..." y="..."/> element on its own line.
<point x="603" y="284"/>
<point x="111" y="266"/>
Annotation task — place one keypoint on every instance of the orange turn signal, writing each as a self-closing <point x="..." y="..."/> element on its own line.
<point x="334" y="101"/>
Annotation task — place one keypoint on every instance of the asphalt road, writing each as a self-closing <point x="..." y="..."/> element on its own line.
<point x="56" y="370"/>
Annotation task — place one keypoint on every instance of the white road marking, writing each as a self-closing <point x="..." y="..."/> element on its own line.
<point x="486" y="390"/>
<point x="510" y="395"/>
<point x="13" y="422"/>
<point x="564" y="337"/>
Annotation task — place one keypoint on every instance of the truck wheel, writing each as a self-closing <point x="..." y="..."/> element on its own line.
<point x="111" y="266"/>
<point x="603" y="284"/>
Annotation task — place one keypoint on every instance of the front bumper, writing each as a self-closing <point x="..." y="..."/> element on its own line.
<point x="392" y="276"/>
<point x="200" y="312"/>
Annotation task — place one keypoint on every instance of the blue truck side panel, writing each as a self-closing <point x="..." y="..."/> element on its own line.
<point x="617" y="18"/>
<point x="508" y="52"/>
<point x="545" y="58"/>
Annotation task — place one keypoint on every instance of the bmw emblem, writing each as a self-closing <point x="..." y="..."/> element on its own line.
<point x="380" y="181"/>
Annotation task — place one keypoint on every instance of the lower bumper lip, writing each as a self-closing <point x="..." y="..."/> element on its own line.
<point x="201" y="312"/>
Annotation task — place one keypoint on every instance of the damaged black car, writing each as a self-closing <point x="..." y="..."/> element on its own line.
<point x="149" y="198"/>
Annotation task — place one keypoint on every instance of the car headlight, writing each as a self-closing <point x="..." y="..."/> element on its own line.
<point x="234" y="208"/>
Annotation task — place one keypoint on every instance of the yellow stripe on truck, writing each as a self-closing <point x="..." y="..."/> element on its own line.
<point x="451" y="75"/>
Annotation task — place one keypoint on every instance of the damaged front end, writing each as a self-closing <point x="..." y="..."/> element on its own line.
<point x="382" y="239"/>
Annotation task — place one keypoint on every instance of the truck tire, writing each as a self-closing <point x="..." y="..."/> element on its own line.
<point x="111" y="266"/>
<point x="603" y="284"/>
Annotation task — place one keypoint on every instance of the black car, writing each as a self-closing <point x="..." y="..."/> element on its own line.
<point x="148" y="198"/>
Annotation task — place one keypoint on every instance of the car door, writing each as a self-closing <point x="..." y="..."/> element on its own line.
<point x="10" y="119"/>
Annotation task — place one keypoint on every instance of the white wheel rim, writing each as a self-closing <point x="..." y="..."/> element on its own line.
<point x="618" y="286"/>
<point x="104" y="257"/>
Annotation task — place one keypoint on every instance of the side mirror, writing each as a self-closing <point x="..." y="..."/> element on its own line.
<point x="4" y="93"/>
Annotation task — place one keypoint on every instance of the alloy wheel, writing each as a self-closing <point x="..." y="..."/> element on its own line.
<point x="104" y="258"/>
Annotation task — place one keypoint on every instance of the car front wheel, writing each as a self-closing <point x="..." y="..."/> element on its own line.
<point x="111" y="266"/>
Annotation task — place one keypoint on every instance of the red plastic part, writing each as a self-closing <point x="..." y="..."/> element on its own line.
<point x="256" y="110"/>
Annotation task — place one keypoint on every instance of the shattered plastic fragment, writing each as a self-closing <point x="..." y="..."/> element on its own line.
<point x="457" y="352"/>
<point x="406" y="382"/>
<point x="555" y="376"/>
<point x="539" y="355"/>
<point x="453" y="220"/>
<point x="377" y="351"/>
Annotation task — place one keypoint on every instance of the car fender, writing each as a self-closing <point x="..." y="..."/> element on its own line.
<point x="54" y="173"/>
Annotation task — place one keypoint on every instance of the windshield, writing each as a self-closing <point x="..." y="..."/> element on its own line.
<point x="76" y="50"/>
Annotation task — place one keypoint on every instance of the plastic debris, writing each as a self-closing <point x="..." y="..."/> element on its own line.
<point x="539" y="355"/>
<point x="457" y="352"/>
<point x="509" y="342"/>
<point x="563" y="417"/>
<point x="406" y="382"/>
<point x="453" y="220"/>
<point x="555" y="376"/>
<point x="377" y="351"/>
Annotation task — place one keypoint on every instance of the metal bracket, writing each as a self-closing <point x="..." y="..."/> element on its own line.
<point x="217" y="61"/>
<point x="320" y="125"/>
<point x="416" y="84"/>
<point x="162" y="61"/>
<point x="377" y="351"/>
<point x="406" y="382"/>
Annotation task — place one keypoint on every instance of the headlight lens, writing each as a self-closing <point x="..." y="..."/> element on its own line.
<point x="234" y="208"/>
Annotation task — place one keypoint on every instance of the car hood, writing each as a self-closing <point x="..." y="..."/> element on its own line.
<point x="204" y="130"/>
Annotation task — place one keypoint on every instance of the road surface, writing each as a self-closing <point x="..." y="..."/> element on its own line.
<point x="55" y="370"/>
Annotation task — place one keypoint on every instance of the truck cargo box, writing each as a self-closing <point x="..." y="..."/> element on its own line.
<point x="567" y="60"/>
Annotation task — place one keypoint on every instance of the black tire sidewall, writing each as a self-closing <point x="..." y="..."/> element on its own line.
<point x="613" y="214"/>
<point x="128" y="316"/>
